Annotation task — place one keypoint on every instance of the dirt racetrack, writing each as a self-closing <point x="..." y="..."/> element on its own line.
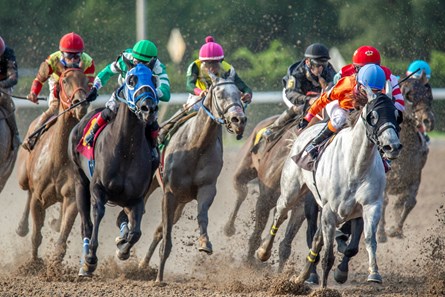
<point x="413" y="266"/>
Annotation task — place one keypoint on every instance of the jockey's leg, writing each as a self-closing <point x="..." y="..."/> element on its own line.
<point x="282" y="120"/>
<point x="166" y="127"/>
<point x="324" y="134"/>
<point x="30" y="142"/>
<point x="10" y="119"/>
<point x="100" y="121"/>
<point x="106" y="116"/>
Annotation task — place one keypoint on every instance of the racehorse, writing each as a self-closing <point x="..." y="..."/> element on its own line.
<point x="8" y="154"/>
<point x="349" y="182"/>
<point x="193" y="162"/>
<point x="45" y="172"/>
<point x="265" y="165"/>
<point x="403" y="180"/>
<point x="122" y="169"/>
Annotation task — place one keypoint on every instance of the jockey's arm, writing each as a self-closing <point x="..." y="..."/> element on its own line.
<point x="11" y="70"/>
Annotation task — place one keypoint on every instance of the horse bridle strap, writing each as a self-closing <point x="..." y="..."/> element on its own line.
<point x="66" y="102"/>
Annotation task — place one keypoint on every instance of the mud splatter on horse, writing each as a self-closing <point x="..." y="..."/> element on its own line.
<point x="193" y="162"/>
<point x="46" y="172"/>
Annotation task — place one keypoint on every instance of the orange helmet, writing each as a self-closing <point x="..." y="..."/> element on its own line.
<point x="2" y="46"/>
<point x="71" y="43"/>
<point x="366" y="55"/>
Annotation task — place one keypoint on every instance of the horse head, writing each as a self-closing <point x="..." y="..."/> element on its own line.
<point x="418" y="102"/>
<point x="224" y="99"/>
<point x="140" y="94"/>
<point x="73" y="87"/>
<point x="382" y="121"/>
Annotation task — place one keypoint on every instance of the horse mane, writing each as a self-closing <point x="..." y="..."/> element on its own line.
<point x="353" y="117"/>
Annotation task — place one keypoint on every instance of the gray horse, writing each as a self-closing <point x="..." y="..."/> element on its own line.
<point x="349" y="182"/>
<point x="193" y="162"/>
<point x="403" y="180"/>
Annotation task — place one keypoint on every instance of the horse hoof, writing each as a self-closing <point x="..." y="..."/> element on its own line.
<point x="313" y="279"/>
<point x="84" y="273"/>
<point x="382" y="238"/>
<point x="262" y="254"/>
<point x="375" y="278"/>
<point x="22" y="231"/>
<point x="159" y="284"/>
<point x="395" y="232"/>
<point x="207" y="248"/>
<point x="341" y="276"/>
<point x="122" y="256"/>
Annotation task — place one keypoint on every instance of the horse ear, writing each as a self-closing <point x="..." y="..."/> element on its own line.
<point x="60" y="67"/>
<point x="423" y="78"/>
<point x="232" y="74"/>
<point x="369" y="93"/>
<point x="213" y="77"/>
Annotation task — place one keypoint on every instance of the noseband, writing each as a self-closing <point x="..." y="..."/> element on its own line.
<point x="221" y="119"/>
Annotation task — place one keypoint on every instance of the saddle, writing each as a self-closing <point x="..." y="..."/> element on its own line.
<point x="82" y="147"/>
<point x="262" y="146"/>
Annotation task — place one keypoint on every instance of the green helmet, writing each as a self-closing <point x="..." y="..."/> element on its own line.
<point x="144" y="50"/>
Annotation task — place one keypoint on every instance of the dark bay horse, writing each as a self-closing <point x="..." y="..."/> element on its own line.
<point x="8" y="154"/>
<point x="193" y="162"/>
<point x="403" y="180"/>
<point x="122" y="170"/>
<point x="46" y="172"/>
<point x="349" y="182"/>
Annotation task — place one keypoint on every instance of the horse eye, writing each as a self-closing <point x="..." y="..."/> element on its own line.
<point x="132" y="81"/>
<point x="374" y="118"/>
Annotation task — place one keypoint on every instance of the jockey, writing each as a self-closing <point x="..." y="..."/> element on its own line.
<point x="211" y="60"/>
<point x="425" y="68"/>
<point x="370" y="55"/>
<point x="347" y="94"/>
<point x="71" y="55"/>
<point x="8" y="79"/>
<point x="145" y="52"/>
<point x="419" y="64"/>
<point x="313" y="74"/>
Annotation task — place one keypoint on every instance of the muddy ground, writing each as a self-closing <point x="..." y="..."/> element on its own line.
<point x="413" y="266"/>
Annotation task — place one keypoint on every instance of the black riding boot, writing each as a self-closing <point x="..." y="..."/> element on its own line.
<point x="283" y="119"/>
<point x="90" y="137"/>
<point x="15" y="131"/>
<point x="312" y="148"/>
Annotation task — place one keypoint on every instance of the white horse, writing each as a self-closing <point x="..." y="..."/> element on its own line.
<point x="349" y="182"/>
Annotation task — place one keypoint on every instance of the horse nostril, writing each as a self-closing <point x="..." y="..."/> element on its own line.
<point x="235" y="120"/>
<point x="144" y="108"/>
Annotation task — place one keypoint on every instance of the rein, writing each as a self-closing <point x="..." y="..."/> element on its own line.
<point x="221" y="120"/>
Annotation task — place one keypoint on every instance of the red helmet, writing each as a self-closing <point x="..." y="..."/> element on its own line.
<point x="366" y="55"/>
<point x="2" y="46"/>
<point x="71" y="43"/>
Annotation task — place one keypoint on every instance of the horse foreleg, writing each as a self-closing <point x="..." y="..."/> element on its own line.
<point x="295" y="221"/>
<point x="169" y="205"/>
<point x="328" y="224"/>
<point x="404" y="205"/>
<point x="341" y="273"/>
<point x="68" y="214"/>
<point x="134" y="233"/>
<point x="311" y="210"/>
<point x="205" y="199"/>
<point x="38" y="216"/>
<point x="265" y="202"/>
<point x="382" y="237"/>
<point x="56" y="224"/>
<point x="23" y="227"/>
<point x="371" y="216"/>
<point x="285" y="202"/>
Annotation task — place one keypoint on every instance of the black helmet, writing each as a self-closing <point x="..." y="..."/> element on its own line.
<point x="317" y="51"/>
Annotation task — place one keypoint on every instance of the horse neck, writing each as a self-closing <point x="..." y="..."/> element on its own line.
<point x="60" y="135"/>
<point x="205" y="131"/>
<point x="127" y="128"/>
<point x="361" y="151"/>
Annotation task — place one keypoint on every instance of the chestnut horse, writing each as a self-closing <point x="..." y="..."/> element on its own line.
<point x="46" y="172"/>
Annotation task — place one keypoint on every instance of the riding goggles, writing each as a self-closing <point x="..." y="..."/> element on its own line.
<point x="318" y="63"/>
<point x="71" y="56"/>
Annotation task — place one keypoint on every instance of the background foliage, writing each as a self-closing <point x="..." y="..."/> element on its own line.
<point x="261" y="38"/>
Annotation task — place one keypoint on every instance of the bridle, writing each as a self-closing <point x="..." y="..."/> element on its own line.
<point x="221" y="119"/>
<point x="65" y="99"/>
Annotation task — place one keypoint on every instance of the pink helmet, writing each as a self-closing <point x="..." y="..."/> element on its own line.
<point x="211" y="51"/>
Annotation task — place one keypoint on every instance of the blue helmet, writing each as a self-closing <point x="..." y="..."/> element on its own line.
<point x="372" y="75"/>
<point x="139" y="85"/>
<point x="419" y="64"/>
